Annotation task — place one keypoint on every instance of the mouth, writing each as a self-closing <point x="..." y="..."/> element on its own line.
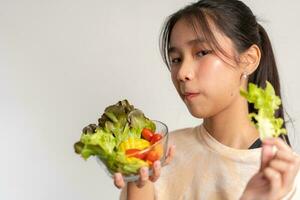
<point x="190" y="95"/>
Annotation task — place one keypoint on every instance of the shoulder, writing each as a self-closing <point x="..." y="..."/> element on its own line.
<point x="181" y="131"/>
<point x="183" y="138"/>
<point x="182" y="135"/>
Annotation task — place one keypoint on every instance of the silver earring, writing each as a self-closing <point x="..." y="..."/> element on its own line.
<point x="245" y="75"/>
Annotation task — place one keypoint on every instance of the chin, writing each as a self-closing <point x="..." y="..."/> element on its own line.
<point x="198" y="113"/>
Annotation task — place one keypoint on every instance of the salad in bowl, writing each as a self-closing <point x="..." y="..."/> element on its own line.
<point x="124" y="140"/>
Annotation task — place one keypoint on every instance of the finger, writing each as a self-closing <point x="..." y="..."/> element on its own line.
<point x="292" y="171"/>
<point x="279" y="143"/>
<point x="280" y="166"/>
<point x="144" y="176"/>
<point x="119" y="181"/>
<point x="274" y="178"/>
<point x="297" y="160"/>
<point x="291" y="166"/>
<point x="156" y="171"/>
<point x="170" y="155"/>
<point x="266" y="155"/>
<point x="286" y="156"/>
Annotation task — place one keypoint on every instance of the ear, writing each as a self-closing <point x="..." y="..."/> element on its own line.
<point x="249" y="60"/>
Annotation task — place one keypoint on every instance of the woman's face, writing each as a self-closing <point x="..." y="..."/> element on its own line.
<point x="207" y="81"/>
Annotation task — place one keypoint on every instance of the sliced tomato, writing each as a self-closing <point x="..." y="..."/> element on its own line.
<point x="149" y="163"/>
<point x="159" y="149"/>
<point x="136" y="153"/>
<point x="156" y="137"/>
<point x="152" y="156"/>
<point x="147" y="134"/>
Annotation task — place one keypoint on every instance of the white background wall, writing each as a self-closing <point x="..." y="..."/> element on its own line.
<point x="62" y="62"/>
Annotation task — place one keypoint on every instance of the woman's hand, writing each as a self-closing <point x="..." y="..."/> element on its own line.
<point x="144" y="172"/>
<point x="279" y="167"/>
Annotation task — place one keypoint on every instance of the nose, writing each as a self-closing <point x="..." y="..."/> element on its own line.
<point x="186" y="71"/>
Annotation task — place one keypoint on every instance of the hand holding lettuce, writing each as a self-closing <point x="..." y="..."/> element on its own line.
<point x="266" y="102"/>
<point x="117" y="139"/>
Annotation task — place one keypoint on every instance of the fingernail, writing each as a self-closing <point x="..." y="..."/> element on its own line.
<point x="157" y="164"/>
<point x="120" y="176"/>
<point x="117" y="177"/>
<point x="274" y="150"/>
<point x="144" y="170"/>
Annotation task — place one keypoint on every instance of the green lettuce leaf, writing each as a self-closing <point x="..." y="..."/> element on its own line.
<point x="100" y="142"/>
<point x="266" y="102"/>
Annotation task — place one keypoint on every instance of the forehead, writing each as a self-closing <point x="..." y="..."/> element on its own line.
<point x="184" y="31"/>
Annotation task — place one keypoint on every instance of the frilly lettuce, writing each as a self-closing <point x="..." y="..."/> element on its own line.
<point x="117" y="124"/>
<point x="266" y="102"/>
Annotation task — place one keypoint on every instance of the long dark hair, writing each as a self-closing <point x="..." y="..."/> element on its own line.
<point x="236" y="21"/>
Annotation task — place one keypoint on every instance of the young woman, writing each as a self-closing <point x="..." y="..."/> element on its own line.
<point x="214" y="48"/>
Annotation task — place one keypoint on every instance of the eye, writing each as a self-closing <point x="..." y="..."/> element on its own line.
<point x="203" y="53"/>
<point x="175" y="60"/>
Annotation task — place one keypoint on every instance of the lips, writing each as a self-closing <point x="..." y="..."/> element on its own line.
<point x="190" y="95"/>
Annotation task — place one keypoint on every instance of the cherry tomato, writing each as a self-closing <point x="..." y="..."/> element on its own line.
<point x="149" y="163"/>
<point x="152" y="156"/>
<point x="156" y="137"/>
<point x="159" y="149"/>
<point x="136" y="153"/>
<point x="147" y="134"/>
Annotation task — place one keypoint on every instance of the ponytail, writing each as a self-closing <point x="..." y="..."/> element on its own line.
<point x="267" y="71"/>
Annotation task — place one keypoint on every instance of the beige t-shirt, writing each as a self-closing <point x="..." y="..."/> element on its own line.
<point x="205" y="169"/>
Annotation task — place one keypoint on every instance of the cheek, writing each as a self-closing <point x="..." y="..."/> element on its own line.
<point x="218" y="77"/>
<point x="220" y="82"/>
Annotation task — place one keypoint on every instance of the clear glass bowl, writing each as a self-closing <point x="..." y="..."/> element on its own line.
<point x="157" y="150"/>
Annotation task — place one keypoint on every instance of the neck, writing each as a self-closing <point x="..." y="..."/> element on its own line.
<point x="232" y="126"/>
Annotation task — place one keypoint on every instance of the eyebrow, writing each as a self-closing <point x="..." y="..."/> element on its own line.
<point x="189" y="43"/>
